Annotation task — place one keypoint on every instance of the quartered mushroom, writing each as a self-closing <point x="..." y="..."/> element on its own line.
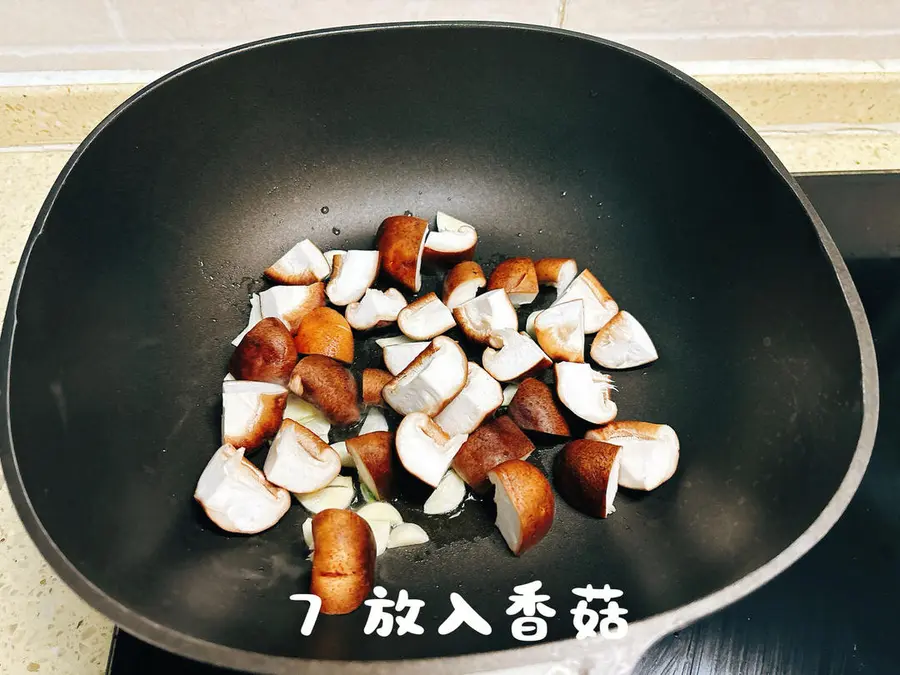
<point x="560" y="331"/>
<point x="407" y="534"/>
<point x="424" y="449"/>
<point x="431" y="381"/>
<point x="533" y="408"/>
<point x="623" y="343"/>
<point x="324" y="331"/>
<point x="452" y="242"/>
<point x="343" y="567"/>
<point x="399" y="355"/>
<point x="425" y="318"/>
<point x="462" y="283"/>
<point x="587" y="476"/>
<point x="525" y="504"/>
<point x="254" y="318"/>
<point x="518" y="278"/>
<point x="377" y="309"/>
<point x="373" y="381"/>
<point x="480" y="397"/>
<point x="519" y="356"/>
<point x="300" y="461"/>
<point x="352" y="274"/>
<point x="401" y="242"/>
<point x="486" y="314"/>
<point x="585" y="392"/>
<point x="338" y="494"/>
<point x="330" y="256"/>
<point x="599" y="307"/>
<point x="447" y="496"/>
<point x="305" y="413"/>
<point x="291" y="303"/>
<point x="266" y="354"/>
<point x="375" y="421"/>
<point x="236" y="495"/>
<point x="557" y="273"/>
<point x="303" y="264"/>
<point x="329" y="386"/>
<point x="649" y="455"/>
<point x="251" y="412"/>
<point x="372" y="454"/>
<point x="488" y="446"/>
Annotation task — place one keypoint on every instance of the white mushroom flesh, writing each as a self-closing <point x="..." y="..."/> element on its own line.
<point x="407" y="534"/>
<point x="623" y="343"/>
<point x="307" y="534"/>
<point x="509" y="391"/>
<point x="375" y="421"/>
<point x="518" y="355"/>
<point x="597" y="310"/>
<point x="298" y="465"/>
<point x="338" y="494"/>
<point x="612" y="487"/>
<point x="430" y="382"/>
<point x="424" y="449"/>
<point x="447" y="496"/>
<point x="508" y="521"/>
<point x="585" y="392"/>
<point x="529" y="323"/>
<point x="308" y="415"/>
<point x="281" y="301"/>
<point x="481" y="396"/>
<point x="236" y="495"/>
<point x="464" y="292"/>
<point x="382" y="531"/>
<point x="329" y="256"/>
<point x="425" y="319"/>
<point x="243" y="405"/>
<point x="452" y="235"/>
<point x="560" y="331"/>
<point x="255" y="317"/>
<point x="646" y="460"/>
<point x="488" y="313"/>
<point x="354" y="276"/>
<point x="376" y="308"/>
<point x="304" y="257"/>
<point x="398" y="356"/>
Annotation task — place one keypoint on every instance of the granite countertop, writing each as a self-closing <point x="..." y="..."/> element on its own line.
<point x="824" y="122"/>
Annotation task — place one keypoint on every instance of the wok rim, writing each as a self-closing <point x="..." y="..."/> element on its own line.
<point x="622" y="654"/>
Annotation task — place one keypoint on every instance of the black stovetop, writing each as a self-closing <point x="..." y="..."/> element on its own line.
<point x="834" y="611"/>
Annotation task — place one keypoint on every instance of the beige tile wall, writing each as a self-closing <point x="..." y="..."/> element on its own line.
<point x="162" y="34"/>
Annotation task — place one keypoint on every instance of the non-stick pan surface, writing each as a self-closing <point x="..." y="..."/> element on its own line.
<point x="137" y="275"/>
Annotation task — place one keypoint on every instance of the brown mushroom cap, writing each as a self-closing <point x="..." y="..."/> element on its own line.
<point x="518" y="278"/>
<point x="587" y="476"/>
<point x="343" y="568"/>
<point x="489" y="446"/>
<point x="324" y="331"/>
<point x="400" y="241"/>
<point x="462" y="283"/>
<point x="373" y="381"/>
<point x="525" y="504"/>
<point x="533" y="408"/>
<point x="373" y="455"/>
<point x="330" y="387"/>
<point x="265" y="354"/>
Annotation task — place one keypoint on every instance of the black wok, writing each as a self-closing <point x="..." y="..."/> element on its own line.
<point x="136" y="278"/>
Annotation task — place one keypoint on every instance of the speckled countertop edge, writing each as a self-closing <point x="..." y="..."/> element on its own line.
<point x="814" y="122"/>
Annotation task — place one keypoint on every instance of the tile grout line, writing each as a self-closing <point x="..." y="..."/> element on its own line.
<point x="561" y="14"/>
<point x="116" y="19"/>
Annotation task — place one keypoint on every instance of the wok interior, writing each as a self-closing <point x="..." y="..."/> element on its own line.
<point x="551" y="146"/>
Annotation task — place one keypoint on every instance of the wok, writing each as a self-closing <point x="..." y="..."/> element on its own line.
<point x="136" y="278"/>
